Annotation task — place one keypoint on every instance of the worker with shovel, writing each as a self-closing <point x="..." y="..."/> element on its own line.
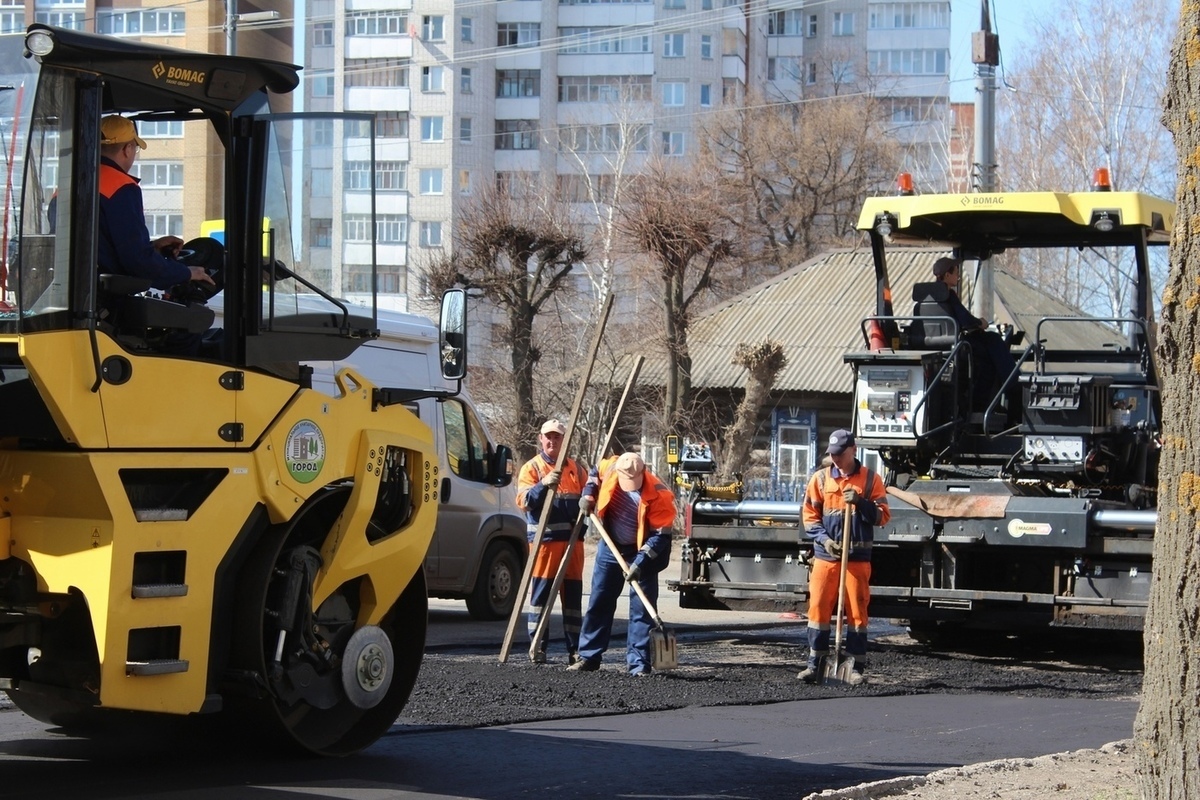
<point x="551" y="468"/>
<point x="637" y="510"/>
<point x="842" y="504"/>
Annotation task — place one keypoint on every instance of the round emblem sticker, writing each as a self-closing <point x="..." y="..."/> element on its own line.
<point x="305" y="451"/>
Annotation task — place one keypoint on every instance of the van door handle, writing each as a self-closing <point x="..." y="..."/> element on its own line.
<point x="445" y="490"/>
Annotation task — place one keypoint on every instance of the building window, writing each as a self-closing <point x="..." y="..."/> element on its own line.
<point x="391" y="125"/>
<point x="706" y="94"/>
<point x="376" y="23"/>
<point x="908" y="62"/>
<point x="674" y="94"/>
<point x="812" y="26"/>
<point x="323" y="86"/>
<point x="518" y="34"/>
<point x="706" y="5"/>
<point x="672" y="143"/>
<point x="783" y="23"/>
<point x="61" y="19"/>
<point x="466" y="30"/>
<point x="909" y="15"/>
<point x="432" y="78"/>
<point x="673" y="45"/>
<point x="843" y="23"/>
<point x="603" y="88"/>
<point x="431" y="234"/>
<point x="783" y="68"/>
<point x="602" y="40"/>
<point x="673" y="4"/>
<point x="604" y="138"/>
<point x="140" y="23"/>
<point x="706" y="46"/>
<point x="321" y="183"/>
<point x="12" y="22"/>
<point x="161" y="129"/>
<point x="433" y="28"/>
<point x="322" y="35"/>
<point x="842" y="72"/>
<point x="516" y="134"/>
<point x="431" y="181"/>
<point x="518" y="83"/>
<point x="164" y="225"/>
<point x="376" y="72"/>
<point x="464" y="181"/>
<point x="811" y="76"/>
<point x="389" y="228"/>
<point x="464" y="130"/>
<point x="320" y="233"/>
<point x="465" y="79"/>
<point x="431" y="129"/>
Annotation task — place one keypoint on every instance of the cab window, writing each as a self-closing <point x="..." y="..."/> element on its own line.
<point x="466" y="446"/>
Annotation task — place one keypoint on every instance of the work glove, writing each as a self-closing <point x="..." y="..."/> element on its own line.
<point x="833" y="547"/>
<point x="586" y="504"/>
<point x="635" y="572"/>
<point x="851" y="496"/>
<point x="552" y="478"/>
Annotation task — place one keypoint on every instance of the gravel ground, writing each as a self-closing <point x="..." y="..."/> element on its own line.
<point x="461" y="687"/>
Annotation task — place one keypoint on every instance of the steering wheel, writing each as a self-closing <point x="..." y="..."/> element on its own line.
<point x="203" y="252"/>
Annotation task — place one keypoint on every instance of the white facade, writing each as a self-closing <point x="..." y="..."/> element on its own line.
<point x="482" y="92"/>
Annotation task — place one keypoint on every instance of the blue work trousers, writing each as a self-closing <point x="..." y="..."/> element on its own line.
<point x="608" y="582"/>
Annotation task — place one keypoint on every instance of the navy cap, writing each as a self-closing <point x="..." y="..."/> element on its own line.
<point x="839" y="441"/>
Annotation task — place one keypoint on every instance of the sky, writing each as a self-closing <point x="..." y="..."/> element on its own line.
<point x="1011" y="19"/>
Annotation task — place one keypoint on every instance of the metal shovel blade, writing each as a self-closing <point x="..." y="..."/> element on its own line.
<point x="837" y="670"/>
<point x="664" y="654"/>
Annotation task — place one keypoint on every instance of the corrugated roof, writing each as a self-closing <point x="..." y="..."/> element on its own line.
<point x="815" y="310"/>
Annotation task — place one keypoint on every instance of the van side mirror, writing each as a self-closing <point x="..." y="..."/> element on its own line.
<point x="500" y="466"/>
<point x="453" y="335"/>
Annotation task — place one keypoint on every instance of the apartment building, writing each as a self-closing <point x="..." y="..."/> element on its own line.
<point x="467" y="93"/>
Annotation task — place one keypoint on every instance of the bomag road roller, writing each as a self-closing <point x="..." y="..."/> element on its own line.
<point x="201" y="534"/>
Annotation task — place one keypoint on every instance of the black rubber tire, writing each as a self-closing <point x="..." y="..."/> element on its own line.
<point x="495" y="589"/>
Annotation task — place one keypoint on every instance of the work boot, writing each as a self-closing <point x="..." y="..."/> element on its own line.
<point x="539" y="657"/>
<point x="812" y="670"/>
<point x="572" y="658"/>
<point x="857" y="678"/>
<point x="583" y="665"/>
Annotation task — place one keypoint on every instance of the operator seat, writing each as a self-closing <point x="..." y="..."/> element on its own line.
<point x="934" y="327"/>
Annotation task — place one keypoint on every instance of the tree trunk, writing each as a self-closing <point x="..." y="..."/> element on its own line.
<point x="520" y="323"/>
<point x="1167" y="731"/>
<point x="679" y="363"/>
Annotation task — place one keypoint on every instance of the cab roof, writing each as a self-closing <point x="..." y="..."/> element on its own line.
<point x="992" y="222"/>
<point x="151" y="76"/>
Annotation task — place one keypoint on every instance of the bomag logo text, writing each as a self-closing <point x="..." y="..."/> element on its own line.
<point x="180" y="76"/>
<point x="982" y="200"/>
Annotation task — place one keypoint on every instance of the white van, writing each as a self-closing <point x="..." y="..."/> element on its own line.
<point x="478" y="551"/>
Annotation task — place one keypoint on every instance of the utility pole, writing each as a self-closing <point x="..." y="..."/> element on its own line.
<point x="231" y="19"/>
<point x="985" y="54"/>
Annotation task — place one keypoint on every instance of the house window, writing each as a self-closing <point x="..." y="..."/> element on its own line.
<point x="518" y="82"/>
<point x="673" y="45"/>
<point x="464" y="80"/>
<point x="464" y="130"/>
<point x="323" y="86"/>
<point x="706" y="94"/>
<point x="164" y="225"/>
<point x="674" y="94"/>
<point x="783" y="23"/>
<point x="843" y="23"/>
<point x="795" y="455"/>
<point x="518" y="34"/>
<point x="811" y="76"/>
<point x="812" y="26"/>
<point x="322" y="34"/>
<point x="706" y="46"/>
<point x="431" y="234"/>
<point x="376" y="23"/>
<point x="320" y="233"/>
<point x="376" y="72"/>
<point x="516" y="134"/>
<point x="431" y="181"/>
<point x="433" y="28"/>
<point x="431" y="129"/>
<point x="432" y="78"/>
<point x="467" y="29"/>
<point x="672" y="143"/>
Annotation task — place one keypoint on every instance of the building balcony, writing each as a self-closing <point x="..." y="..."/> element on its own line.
<point x="377" y="98"/>
<point x="379" y="47"/>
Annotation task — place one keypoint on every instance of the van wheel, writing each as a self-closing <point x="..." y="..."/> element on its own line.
<point x="495" y="589"/>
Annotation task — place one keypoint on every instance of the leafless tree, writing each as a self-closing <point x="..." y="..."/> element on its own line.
<point x="517" y="253"/>
<point x="763" y="362"/>
<point x="798" y="174"/>
<point x="676" y="217"/>
<point x="1088" y="94"/>
<point x="1167" y="730"/>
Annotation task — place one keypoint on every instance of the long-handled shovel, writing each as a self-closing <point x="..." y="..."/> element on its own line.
<point x="839" y="667"/>
<point x="664" y="652"/>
